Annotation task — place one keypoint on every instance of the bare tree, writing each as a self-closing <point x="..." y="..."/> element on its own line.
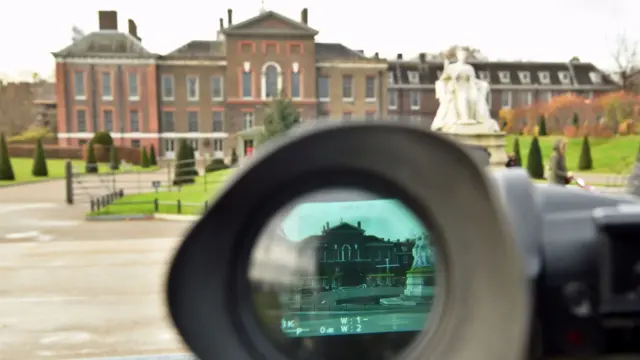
<point x="474" y="53"/>
<point x="16" y="107"/>
<point x="625" y="56"/>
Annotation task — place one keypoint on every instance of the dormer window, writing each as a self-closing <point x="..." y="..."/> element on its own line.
<point x="390" y="78"/>
<point x="525" y="77"/>
<point x="565" y="77"/>
<point x="414" y="77"/>
<point x="505" y="76"/>
<point x="483" y="75"/>
<point x="596" y="77"/>
<point x="544" y="77"/>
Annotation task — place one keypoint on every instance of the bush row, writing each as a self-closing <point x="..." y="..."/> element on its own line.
<point x="535" y="162"/>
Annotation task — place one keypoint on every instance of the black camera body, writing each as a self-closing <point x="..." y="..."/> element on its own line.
<point x="523" y="270"/>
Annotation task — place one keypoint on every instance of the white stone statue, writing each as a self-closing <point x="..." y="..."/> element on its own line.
<point x="462" y="97"/>
<point x="422" y="255"/>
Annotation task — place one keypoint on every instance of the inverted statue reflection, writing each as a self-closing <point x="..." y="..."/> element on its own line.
<point x="462" y="97"/>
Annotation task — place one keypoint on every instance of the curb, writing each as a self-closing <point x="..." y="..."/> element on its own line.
<point x="173" y="217"/>
<point x="21" y="183"/>
<point x="124" y="217"/>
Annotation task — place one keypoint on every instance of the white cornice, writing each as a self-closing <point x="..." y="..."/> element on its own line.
<point x="356" y="65"/>
<point x="166" y="135"/>
<point x="515" y="87"/>
<point x="193" y="62"/>
<point x="105" y="61"/>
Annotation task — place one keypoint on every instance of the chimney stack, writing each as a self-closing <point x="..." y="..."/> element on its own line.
<point x="399" y="57"/>
<point x="304" y="16"/>
<point x="133" y="29"/>
<point x="423" y="58"/>
<point x="376" y="56"/>
<point x="108" y="20"/>
<point x="229" y="17"/>
<point x="221" y="24"/>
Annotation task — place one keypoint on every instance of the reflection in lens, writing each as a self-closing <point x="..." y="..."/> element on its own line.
<point x="341" y="263"/>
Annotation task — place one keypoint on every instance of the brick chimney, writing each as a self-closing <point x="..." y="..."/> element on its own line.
<point x="399" y="57"/>
<point x="376" y="56"/>
<point x="304" y="16"/>
<point x="229" y="17"/>
<point x="423" y="57"/>
<point x="133" y="29"/>
<point x="108" y="20"/>
<point x="221" y="24"/>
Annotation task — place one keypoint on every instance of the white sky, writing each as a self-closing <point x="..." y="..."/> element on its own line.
<point x="553" y="30"/>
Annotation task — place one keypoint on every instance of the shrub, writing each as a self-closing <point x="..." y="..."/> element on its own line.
<point x="586" y="162"/>
<point x="185" y="168"/>
<point x="576" y="120"/>
<point x="39" y="161"/>
<point x="102" y="138"/>
<point x="542" y="126"/>
<point x="516" y="152"/>
<point x="535" y="166"/>
<point x="152" y="156"/>
<point x="91" y="167"/>
<point x="144" y="161"/>
<point x="114" y="160"/>
<point x="627" y="127"/>
<point x="6" y="170"/>
<point x="234" y="157"/>
<point x="215" y="165"/>
<point x="32" y="134"/>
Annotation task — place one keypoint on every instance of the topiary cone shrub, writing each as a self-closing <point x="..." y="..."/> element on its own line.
<point x="542" y="126"/>
<point x="152" y="156"/>
<point x="145" y="159"/>
<point x="535" y="166"/>
<point x="114" y="160"/>
<point x="185" y="168"/>
<point x="39" y="162"/>
<point x="516" y="152"/>
<point x="585" y="162"/>
<point x="91" y="167"/>
<point x="6" y="170"/>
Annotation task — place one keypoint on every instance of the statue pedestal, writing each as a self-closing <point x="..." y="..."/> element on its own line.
<point x="480" y="135"/>
<point x="418" y="290"/>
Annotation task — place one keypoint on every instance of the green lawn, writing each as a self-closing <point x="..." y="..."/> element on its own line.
<point x="615" y="155"/>
<point x="192" y="198"/>
<point x="22" y="169"/>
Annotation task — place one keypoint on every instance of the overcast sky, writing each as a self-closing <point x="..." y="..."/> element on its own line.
<point x="502" y="29"/>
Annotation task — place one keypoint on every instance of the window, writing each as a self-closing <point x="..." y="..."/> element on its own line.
<point x="82" y="142"/>
<point x="483" y="75"/>
<point x="565" y="77"/>
<point x="415" y="100"/>
<point x="506" y="99"/>
<point x="217" y="121"/>
<point x="248" y="120"/>
<point x="370" y="88"/>
<point x="323" y="88"/>
<point x="247" y="85"/>
<point x="346" y="116"/>
<point x="134" y="121"/>
<point x="79" y="89"/>
<point x="107" y="120"/>
<point x="134" y="90"/>
<point x="217" y="145"/>
<point x="168" y="121"/>
<point x="193" y="93"/>
<point x="544" y="77"/>
<point x="81" y="118"/>
<point x="545" y="96"/>
<point x="390" y="78"/>
<point x="135" y="143"/>
<point x="393" y="99"/>
<point x="588" y="95"/>
<point x="525" y="77"/>
<point x="414" y="77"/>
<point x="107" y="90"/>
<point x="167" y="87"/>
<point x="295" y="85"/>
<point x="347" y="88"/>
<point x="192" y="121"/>
<point x="527" y="98"/>
<point x="505" y="76"/>
<point x="370" y="115"/>
<point x="595" y="77"/>
<point x="295" y="49"/>
<point x="416" y="119"/>
<point x="271" y="81"/>
<point x="217" y="92"/>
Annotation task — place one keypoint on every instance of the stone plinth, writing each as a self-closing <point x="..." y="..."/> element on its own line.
<point x="477" y="134"/>
<point x="419" y="289"/>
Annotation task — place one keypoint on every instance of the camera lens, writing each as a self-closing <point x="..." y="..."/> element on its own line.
<point x="343" y="270"/>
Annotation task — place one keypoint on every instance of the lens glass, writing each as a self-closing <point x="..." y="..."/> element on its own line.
<point x="344" y="263"/>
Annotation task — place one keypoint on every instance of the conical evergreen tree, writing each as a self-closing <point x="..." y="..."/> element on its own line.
<point x="585" y="162"/>
<point x="576" y="120"/>
<point x="114" y="160"/>
<point x="234" y="157"/>
<point x="39" y="162"/>
<point x="144" y="161"/>
<point x="542" y="126"/>
<point x="535" y="166"/>
<point x="152" y="156"/>
<point x="281" y="117"/>
<point x="6" y="170"/>
<point x="184" y="167"/>
<point x="516" y="152"/>
<point x="91" y="167"/>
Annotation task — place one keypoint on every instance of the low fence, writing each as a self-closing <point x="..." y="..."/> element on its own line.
<point x="156" y="205"/>
<point x="101" y="202"/>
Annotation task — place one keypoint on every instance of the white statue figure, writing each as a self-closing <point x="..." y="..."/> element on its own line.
<point x="462" y="96"/>
<point x="422" y="256"/>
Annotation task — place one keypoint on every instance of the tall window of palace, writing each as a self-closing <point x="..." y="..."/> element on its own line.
<point x="271" y="81"/>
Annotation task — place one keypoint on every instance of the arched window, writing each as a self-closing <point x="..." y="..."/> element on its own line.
<point x="346" y="252"/>
<point x="271" y="81"/>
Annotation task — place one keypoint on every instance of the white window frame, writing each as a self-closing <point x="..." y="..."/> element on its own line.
<point x="509" y="98"/>
<point x="413" y="77"/>
<point x="189" y="112"/>
<point x="392" y="94"/>
<point x="263" y="81"/>
<point x="299" y="84"/>
<point x="351" y="98"/>
<point x="547" y="95"/>
<point x="84" y="120"/>
<point x="390" y="79"/>
<point x="248" y="118"/>
<point x="375" y="90"/>
<point x="108" y="97"/>
<point x="595" y="77"/>
<point x="217" y="142"/>
<point x="483" y="75"/>
<point x="505" y="77"/>
<point x="324" y="99"/>
<point x="83" y="95"/>
<point x="411" y="94"/>
<point x="136" y="77"/>
<point x="525" y="77"/>
<point x="221" y="79"/>
<point x="528" y="97"/>
<point x="565" y="77"/>
<point x="172" y="80"/>
<point x="545" y="77"/>
<point x="137" y="112"/>
<point x="196" y="96"/>
<point x="589" y="95"/>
